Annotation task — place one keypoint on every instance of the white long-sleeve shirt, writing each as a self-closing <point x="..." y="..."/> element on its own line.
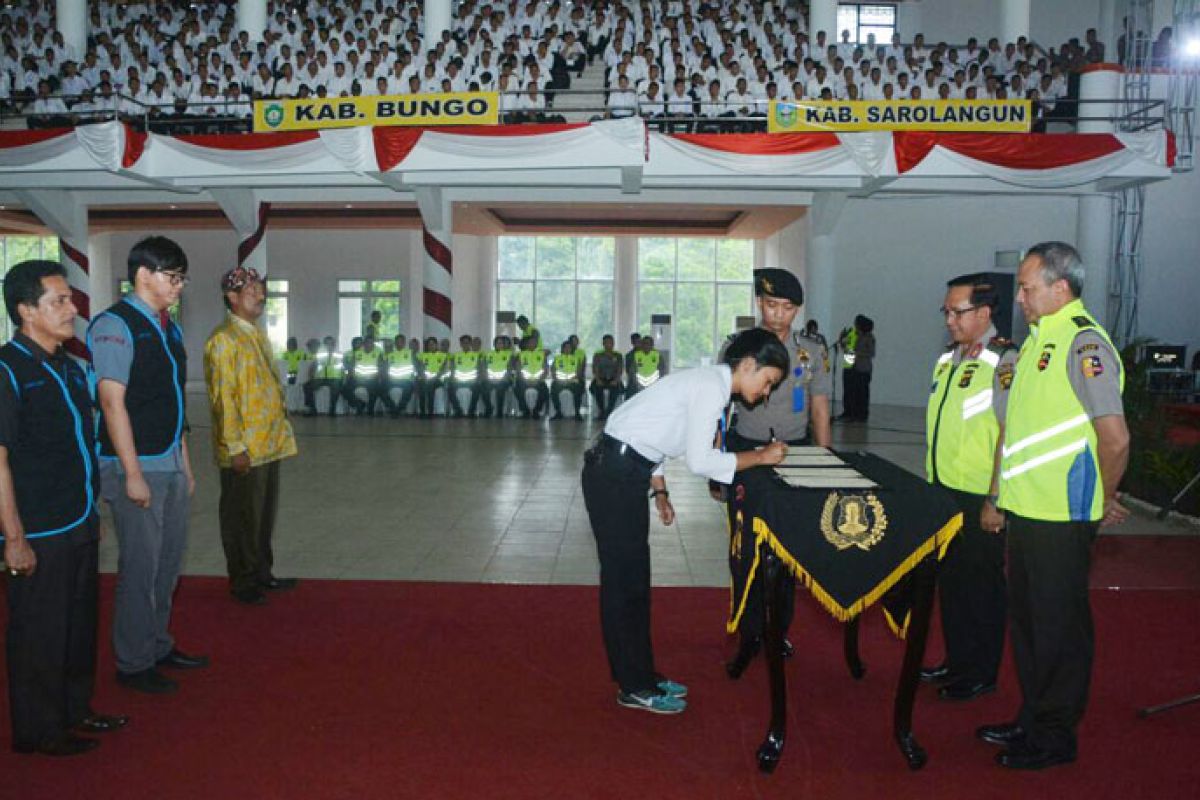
<point x="677" y="417"/>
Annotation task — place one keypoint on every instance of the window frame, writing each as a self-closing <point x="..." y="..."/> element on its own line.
<point x="368" y="293"/>
<point x="857" y="37"/>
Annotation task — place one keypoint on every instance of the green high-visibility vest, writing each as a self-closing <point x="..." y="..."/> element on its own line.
<point x="433" y="363"/>
<point x="329" y="365"/>
<point x="293" y="359"/>
<point x="566" y="366"/>
<point x="1049" y="467"/>
<point x="466" y="365"/>
<point x="532" y="363"/>
<point x="961" y="429"/>
<point x="848" y="354"/>
<point x="400" y="364"/>
<point x="647" y="367"/>
<point x="497" y="364"/>
<point x="365" y="365"/>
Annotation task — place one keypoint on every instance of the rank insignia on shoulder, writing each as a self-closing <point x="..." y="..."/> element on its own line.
<point x="1005" y="376"/>
<point x="1087" y="348"/>
<point x="1082" y="321"/>
<point x="1093" y="366"/>
<point x="1000" y="344"/>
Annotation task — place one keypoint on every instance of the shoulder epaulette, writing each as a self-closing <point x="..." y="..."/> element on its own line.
<point x="1001" y="345"/>
<point x="1082" y="321"/>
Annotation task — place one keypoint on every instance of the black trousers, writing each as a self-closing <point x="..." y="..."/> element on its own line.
<point x="856" y="394"/>
<point x="1050" y="615"/>
<point x="477" y="393"/>
<point x="426" y="388"/>
<point x="374" y="390"/>
<point x="406" y="388"/>
<point x="606" y="397"/>
<point x="247" y="510"/>
<point x="614" y="491"/>
<point x="310" y="393"/>
<point x="973" y="594"/>
<point x="499" y="389"/>
<point x="51" y="645"/>
<point x="537" y="384"/>
<point x="754" y="615"/>
<point x="576" y="390"/>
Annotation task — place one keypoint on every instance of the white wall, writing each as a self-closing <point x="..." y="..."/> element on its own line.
<point x="1170" y="283"/>
<point x="894" y="257"/>
<point x="313" y="261"/>
<point x="1052" y="22"/>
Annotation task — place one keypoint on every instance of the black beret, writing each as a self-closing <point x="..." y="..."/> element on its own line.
<point x="778" y="283"/>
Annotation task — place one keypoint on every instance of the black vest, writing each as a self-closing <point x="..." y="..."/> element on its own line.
<point x="53" y="461"/>
<point x="154" y="394"/>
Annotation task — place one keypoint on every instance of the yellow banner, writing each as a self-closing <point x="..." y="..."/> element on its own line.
<point x="988" y="116"/>
<point x="464" y="108"/>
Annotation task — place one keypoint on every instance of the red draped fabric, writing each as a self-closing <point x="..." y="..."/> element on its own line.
<point x="135" y="145"/>
<point x="1014" y="151"/>
<point x="22" y="138"/>
<point x="393" y="144"/>
<point x="761" y="144"/>
<point x="248" y="141"/>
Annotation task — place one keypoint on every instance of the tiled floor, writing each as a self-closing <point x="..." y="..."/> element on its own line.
<point x="475" y="500"/>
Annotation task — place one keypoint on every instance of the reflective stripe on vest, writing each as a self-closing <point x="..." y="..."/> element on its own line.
<point x="400" y="364"/>
<point x="848" y="354"/>
<point x="961" y="430"/>
<point x="1049" y="468"/>
<point x="532" y="364"/>
<point x="497" y="364"/>
<point x="566" y="366"/>
<point x="647" y="368"/>
<point x="329" y="365"/>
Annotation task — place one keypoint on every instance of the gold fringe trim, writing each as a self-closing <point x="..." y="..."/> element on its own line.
<point x="763" y="533"/>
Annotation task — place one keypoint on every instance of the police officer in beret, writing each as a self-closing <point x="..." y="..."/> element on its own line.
<point x="797" y="412"/>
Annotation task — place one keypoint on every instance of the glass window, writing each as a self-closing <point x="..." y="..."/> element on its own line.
<point x="863" y="20"/>
<point x="277" y="314"/>
<point x="357" y="299"/>
<point x="703" y="283"/>
<point x="563" y="283"/>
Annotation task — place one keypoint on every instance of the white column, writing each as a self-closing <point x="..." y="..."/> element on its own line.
<point x="248" y="215"/>
<point x="822" y="16"/>
<point x="437" y="19"/>
<point x="625" y="289"/>
<point x="67" y="218"/>
<point x="71" y="18"/>
<point x="1094" y="241"/>
<point x="437" y="217"/>
<point x="1014" y="20"/>
<point x="818" y="287"/>
<point x="1106" y="28"/>
<point x="252" y="18"/>
<point x="488" y="258"/>
<point x="1099" y="84"/>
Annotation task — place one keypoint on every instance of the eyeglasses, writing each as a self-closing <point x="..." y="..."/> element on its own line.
<point x="956" y="313"/>
<point x="176" y="278"/>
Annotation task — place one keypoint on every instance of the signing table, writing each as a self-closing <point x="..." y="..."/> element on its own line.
<point x="854" y="529"/>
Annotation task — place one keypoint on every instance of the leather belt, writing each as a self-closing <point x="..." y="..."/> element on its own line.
<point x="616" y="446"/>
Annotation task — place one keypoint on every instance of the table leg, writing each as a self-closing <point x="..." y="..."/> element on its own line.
<point x="771" y="750"/>
<point x="924" y="578"/>
<point x="850" y="648"/>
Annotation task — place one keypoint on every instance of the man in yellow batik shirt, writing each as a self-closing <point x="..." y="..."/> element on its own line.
<point x="251" y="435"/>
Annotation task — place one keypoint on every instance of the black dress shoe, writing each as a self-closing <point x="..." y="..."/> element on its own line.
<point x="279" y="584"/>
<point x="102" y="723"/>
<point x="65" y="745"/>
<point x="965" y="690"/>
<point x="1005" y="734"/>
<point x="250" y="597"/>
<point x="177" y="659"/>
<point x="148" y="681"/>
<point x="1021" y="756"/>
<point x="935" y="674"/>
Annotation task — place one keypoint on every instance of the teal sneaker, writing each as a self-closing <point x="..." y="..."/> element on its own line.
<point x="652" y="701"/>
<point x="667" y="686"/>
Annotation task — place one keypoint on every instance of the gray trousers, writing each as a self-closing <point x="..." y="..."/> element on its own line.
<point x="152" y="542"/>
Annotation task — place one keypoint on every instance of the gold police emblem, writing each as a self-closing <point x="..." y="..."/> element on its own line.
<point x="853" y="520"/>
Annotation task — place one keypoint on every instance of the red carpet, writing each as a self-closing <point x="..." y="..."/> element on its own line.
<point x="396" y="690"/>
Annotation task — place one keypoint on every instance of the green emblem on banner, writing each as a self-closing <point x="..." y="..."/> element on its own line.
<point x="273" y="115"/>
<point x="785" y="114"/>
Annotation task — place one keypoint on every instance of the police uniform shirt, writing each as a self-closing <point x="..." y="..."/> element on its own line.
<point x="1002" y="377"/>
<point x="785" y="412"/>
<point x="1093" y="368"/>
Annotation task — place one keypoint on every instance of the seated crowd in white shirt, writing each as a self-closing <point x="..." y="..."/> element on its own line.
<point x="330" y="48"/>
